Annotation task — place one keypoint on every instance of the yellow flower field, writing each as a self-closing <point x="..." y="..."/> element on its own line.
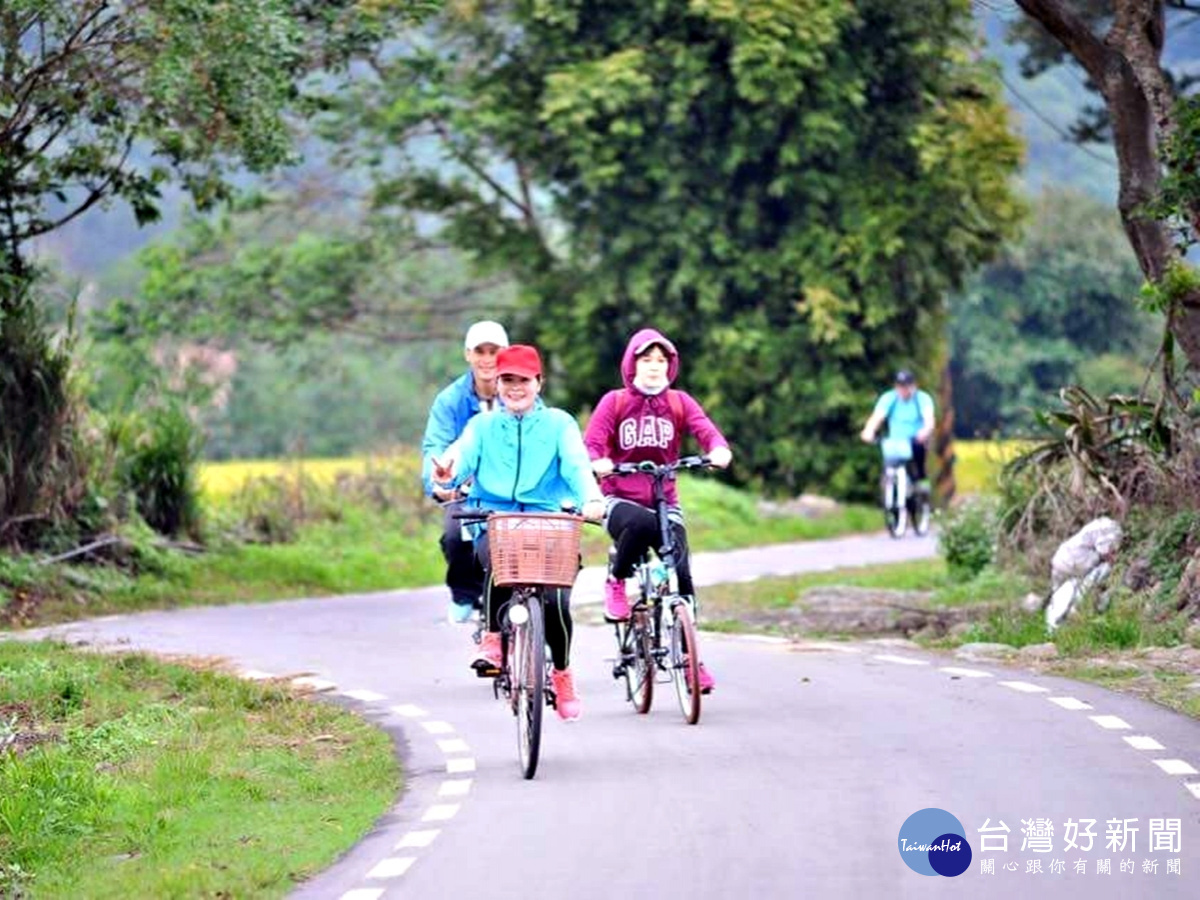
<point x="978" y="463"/>
<point x="219" y="480"/>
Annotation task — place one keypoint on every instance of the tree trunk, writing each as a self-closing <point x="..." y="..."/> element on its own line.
<point x="1127" y="67"/>
<point x="944" y="487"/>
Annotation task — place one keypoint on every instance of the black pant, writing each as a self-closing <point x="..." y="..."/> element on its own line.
<point x="634" y="529"/>
<point x="556" y="604"/>
<point x="918" y="460"/>
<point x="464" y="576"/>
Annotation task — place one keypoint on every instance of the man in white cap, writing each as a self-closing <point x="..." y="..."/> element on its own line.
<point x="471" y="394"/>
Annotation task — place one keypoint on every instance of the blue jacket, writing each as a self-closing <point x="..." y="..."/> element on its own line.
<point x="528" y="463"/>
<point x="455" y="405"/>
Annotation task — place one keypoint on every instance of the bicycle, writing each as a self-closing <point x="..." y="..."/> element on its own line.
<point x="529" y="552"/>
<point x="901" y="502"/>
<point x="641" y="656"/>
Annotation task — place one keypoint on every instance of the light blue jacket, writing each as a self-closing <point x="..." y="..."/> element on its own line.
<point x="455" y="405"/>
<point x="905" y="418"/>
<point x="528" y="463"/>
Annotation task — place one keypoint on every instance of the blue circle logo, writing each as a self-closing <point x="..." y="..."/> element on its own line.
<point x="933" y="842"/>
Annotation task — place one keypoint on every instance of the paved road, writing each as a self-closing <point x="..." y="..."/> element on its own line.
<point x="796" y="782"/>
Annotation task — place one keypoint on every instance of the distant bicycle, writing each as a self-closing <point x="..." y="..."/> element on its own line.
<point x="903" y="503"/>
<point x="641" y="653"/>
<point x="532" y="553"/>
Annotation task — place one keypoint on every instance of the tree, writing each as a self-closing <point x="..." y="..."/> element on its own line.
<point x="1155" y="128"/>
<point x="789" y="189"/>
<point x="1054" y="308"/>
<point x="104" y="101"/>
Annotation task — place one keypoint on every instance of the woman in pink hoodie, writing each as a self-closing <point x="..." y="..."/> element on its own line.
<point x="646" y="420"/>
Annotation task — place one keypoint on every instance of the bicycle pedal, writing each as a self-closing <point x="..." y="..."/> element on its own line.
<point x="485" y="669"/>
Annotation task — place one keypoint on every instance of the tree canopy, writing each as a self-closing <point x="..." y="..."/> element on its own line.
<point x="788" y="189"/>
<point x="1054" y="308"/>
<point x="1152" y="115"/>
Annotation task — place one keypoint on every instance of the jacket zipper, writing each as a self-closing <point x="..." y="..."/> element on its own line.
<point x="517" y="479"/>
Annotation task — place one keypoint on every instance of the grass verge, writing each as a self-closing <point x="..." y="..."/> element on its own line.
<point x="124" y="776"/>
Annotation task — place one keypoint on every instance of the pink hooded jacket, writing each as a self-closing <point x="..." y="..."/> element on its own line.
<point x="647" y="430"/>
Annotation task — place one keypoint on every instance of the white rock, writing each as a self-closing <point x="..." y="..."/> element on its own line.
<point x="1085" y="550"/>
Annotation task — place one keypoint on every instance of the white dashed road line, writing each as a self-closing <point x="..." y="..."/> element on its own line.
<point x="1112" y="723"/>
<point x="453" y="745"/>
<point x="455" y="787"/>
<point x="458" y="765"/>
<point x="440" y="812"/>
<point x="1176" y="767"/>
<point x="418" y="839"/>
<point x="409" y="711"/>
<point x="434" y="726"/>
<point x="1143" y="742"/>
<point x="392" y="868"/>
<point x="902" y="660"/>
<point x="363" y="894"/>
<point x="1069" y="703"/>
<point x="1025" y="687"/>
<point x="1194" y="787"/>
<point x="364" y="696"/>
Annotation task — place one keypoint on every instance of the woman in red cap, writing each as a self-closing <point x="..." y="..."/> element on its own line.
<point x="526" y="458"/>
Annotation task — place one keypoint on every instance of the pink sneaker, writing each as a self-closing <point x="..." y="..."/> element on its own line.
<point x="566" y="700"/>
<point x="616" y="604"/>
<point x="707" y="682"/>
<point x="488" y="655"/>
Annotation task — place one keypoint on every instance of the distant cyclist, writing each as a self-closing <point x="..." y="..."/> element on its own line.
<point x="470" y="394"/>
<point x="908" y="412"/>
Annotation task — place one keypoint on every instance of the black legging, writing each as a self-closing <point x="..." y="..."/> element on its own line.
<point x="556" y="603"/>
<point x="634" y="529"/>
<point x="464" y="577"/>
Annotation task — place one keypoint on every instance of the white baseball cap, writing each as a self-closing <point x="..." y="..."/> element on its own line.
<point x="486" y="332"/>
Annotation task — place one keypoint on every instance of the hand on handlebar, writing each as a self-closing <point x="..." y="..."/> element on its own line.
<point x="443" y="472"/>
<point x="720" y="457"/>
<point x="593" y="510"/>
<point x="602" y="467"/>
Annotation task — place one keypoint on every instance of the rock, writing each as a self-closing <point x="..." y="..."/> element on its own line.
<point x="1033" y="602"/>
<point x="1039" y="651"/>
<point x="1093" y="544"/>
<point x="1192" y="635"/>
<point x="962" y="628"/>
<point x="1187" y="594"/>
<point x="985" y="649"/>
<point x="1065" y="596"/>
<point x="1139" y="575"/>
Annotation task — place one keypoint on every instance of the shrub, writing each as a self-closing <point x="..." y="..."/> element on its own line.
<point x="159" y="451"/>
<point x="968" y="538"/>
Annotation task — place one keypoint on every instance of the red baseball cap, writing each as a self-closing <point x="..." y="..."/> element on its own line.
<point x="519" y="359"/>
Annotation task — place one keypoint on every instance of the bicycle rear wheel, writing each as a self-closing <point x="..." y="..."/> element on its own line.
<point x="685" y="662"/>
<point x="529" y="685"/>
<point x="639" y="677"/>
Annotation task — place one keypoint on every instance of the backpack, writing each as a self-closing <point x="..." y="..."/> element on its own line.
<point x="673" y="400"/>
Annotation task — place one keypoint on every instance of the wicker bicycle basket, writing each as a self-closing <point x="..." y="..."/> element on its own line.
<point x="534" y="548"/>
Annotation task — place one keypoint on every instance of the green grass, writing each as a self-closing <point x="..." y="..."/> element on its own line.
<point x="727" y="601"/>
<point x="354" y="549"/>
<point x="137" y="778"/>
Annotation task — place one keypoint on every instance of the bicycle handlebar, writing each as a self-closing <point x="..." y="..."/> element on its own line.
<point x="651" y="468"/>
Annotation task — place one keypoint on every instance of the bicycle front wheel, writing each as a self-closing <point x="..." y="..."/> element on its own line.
<point x="685" y="663"/>
<point x="529" y="686"/>
<point x="639" y="677"/>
